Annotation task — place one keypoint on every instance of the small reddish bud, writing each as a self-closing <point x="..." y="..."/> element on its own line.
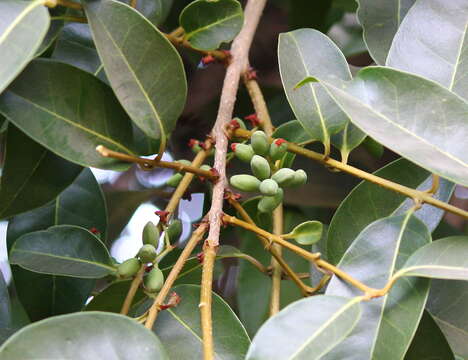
<point x="94" y="230"/>
<point x="233" y="146"/>
<point x="279" y="141"/>
<point x="148" y="268"/>
<point x="253" y="118"/>
<point x="192" y="143"/>
<point x="236" y="196"/>
<point x="215" y="173"/>
<point x="201" y="257"/>
<point x="162" y="215"/>
<point x="174" y="300"/>
<point x="251" y="74"/>
<point x="234" y="124"/>
<point x="203" y="146"/>
<point x="208" y="59"/>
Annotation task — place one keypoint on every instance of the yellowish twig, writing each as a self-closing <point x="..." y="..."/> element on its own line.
<point x="209" y="256"/>
<point x="133" y="289"/>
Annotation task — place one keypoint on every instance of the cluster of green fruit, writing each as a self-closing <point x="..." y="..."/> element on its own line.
<point x="266" y="178"/>
<point x="147" y="254"/>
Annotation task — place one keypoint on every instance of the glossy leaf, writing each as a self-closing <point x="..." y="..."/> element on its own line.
<point x="5" y="310"/>
<point x="380" y="20"/>
<point x="307" y="233"/>
<point x="26" y="181"/>
<point x="301" y="332"/>
<point x="179" y="328"/>
<point x="73" y="111"/>
<point x="23" y="25"/>
<point x="448" y="304"/>
<point x="155" y="11"/>
<point x="300" y="58"/>
<point x="62" y="250"/>
<point x="443" y="259"/>
<point x="53" y="32"/>
<point x="440" y="55"/>
<point x="429" y="342"/>
<point x="368" y="202"/>
<point x="207" y="23"/>
<point x="388" y="323"/>
<point x="80" y="336"/>
<point x="153" y="95"/>
<point x="403" y="112"/>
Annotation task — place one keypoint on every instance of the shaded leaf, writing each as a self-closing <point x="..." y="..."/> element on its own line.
<point x="380" y="20"/>
<point x="448" y="304"/>
<point x="27" y="182"/>
<point x="73" y="111"/>
<point x="153" y="95"/>
<point x="179" y="328"/>
<point x="207" y="23"/>
<point x="440" y="55"/>
<point x="429" y="342"/>
<point x="88" y="335"/>
<point x="62" y="250"/>
<point x="410" y="115"/>
<point x="155" y="11"/>
<point x="301" y="332"/>
<point x="307" y="233"/>
<point x="23" y="25"/>
<point x="442" y="259"/>
<point x="5" y="311"/>
<point x="368" y="202"/>
<point x="388" y="323"/>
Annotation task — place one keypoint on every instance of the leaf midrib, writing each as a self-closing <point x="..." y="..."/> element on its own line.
<point x="213" y="24"/>
<point x="18" y="19"/>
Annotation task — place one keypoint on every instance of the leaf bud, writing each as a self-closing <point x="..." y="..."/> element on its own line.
<point x="151" y="234"/>
<point x="269" y="187"/>
<point x="260" y="167"/>
<point x="245" y="182"/>
<point x="243" y="152"/>
<point x="128" y="268"/>
<point x="259" y="142"/>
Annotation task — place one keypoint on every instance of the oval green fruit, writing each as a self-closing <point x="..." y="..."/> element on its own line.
<point x="269" y="187"/>
<point x="151" y="234"/>
<point x="269" y="203"/>
<point x="284" y="177"/>
<point x="259" y="142"/>
<point x="205" y="167"/>
<point x="277" y="149"/>
<point x="243" y="152"/>
<point x="128" y="268"/>
<point x="174" y="230"/>
<point x="245" y="182"/>
<point x="184" y="162"/>
<point x="154" y="280"/>
<point x="147" y="253"/>
<point x="174" y="180"/>
<point x="260" y="167"/>
<point x="300" y="178"/>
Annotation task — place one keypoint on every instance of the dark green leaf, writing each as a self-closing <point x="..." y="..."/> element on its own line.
<point x="144" y="69"/>
<point x="388" y="323"/>
<point x="5" y="310"/>
<point x="62" y="250"/>
<point x="53" y="32"/>
<point x="448" y="304"/>
<point x="84" y="336"/>
<point x="443" y="259"/>
<point x="28" y="181"/>
<point x="380" y="20"/>
<point x="301" y="332"/>
<point x="155" y="11"/>
<point x="207" y="23"/>
<point x="23" y="25"/>
<point x="179" y="328"/>
<point x="429" y="342"/>
<point x="439" y="55"/>
<point x="368" y="202"/>
<point x="73" y="112"/>
<point x="410" y="115"/>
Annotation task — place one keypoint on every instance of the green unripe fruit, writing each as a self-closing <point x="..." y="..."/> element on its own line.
<point x="259" y="142"/>
<point x="205" y="167"/>
<point x="269" y="203"/>
<point x="147" y="253"/>
<point x="284" y="177"/>
<point x="174" y="230"/>
<point x="300" y="178"/>
<point x="184" y="162"/>
<point x="245" y="182"/>
<point x="243" y="152"/>
<point x="151" y="234"/>
<point x="128" y="268"/>
<point x="278" y="149"/>
<point x="154" y="280"/>
<point x="174" y="180"/>
<point x="240" y="122"/>
<point x="269" y="187"/>
<point x="260" y="167"/>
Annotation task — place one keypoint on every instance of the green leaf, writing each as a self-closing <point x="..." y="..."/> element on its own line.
<point x="440" y="55"/>
<point x="142" y="66"/>
<point x="73" y="113"/>
<point x="410" y="115"/>
<point x="443" y="259"/>
<point x="448" y="304"/>
<point x="155" y="11"/>
<point x="380" y="20"/>
<point x="53" y="32"/>
<point x="81" y="204"/>
<point x="26" y="180"/>
<point x="66" y="250"/>
<point x="304" y="53"/>
<point x="368" y="202"/>
<point x="307" y="233"/>
<point x="207" y="23"/>
<point x="179" y="328"/>
<point x="429" y="342"/>
<point x="80" y="336"/>
<point x="301" y="332"/>
<point x="5" y="309"/>
<point x="23" y="25"/>
<point x="388" y="323"/>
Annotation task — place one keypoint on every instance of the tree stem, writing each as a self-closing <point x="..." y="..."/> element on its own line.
<point x="209" y="256"/>
<point x="275" y="298"/>
<point x="133" y="289"/>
